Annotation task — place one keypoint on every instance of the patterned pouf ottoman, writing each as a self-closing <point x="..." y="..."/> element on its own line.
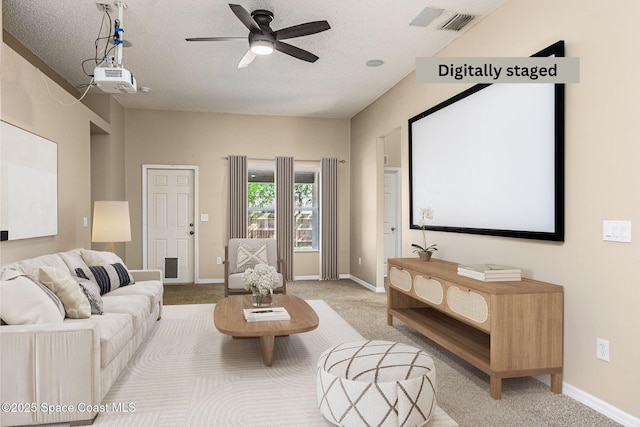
<point x="376" y="383"/>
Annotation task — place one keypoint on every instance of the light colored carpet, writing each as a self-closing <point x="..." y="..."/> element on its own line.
<point x="187" y="373"/>
<point x="463" y="391"/>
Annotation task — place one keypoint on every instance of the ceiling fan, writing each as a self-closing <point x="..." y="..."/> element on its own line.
<point x="263" y="40"/>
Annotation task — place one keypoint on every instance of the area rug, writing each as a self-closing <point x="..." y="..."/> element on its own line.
<point x="189" y="374"/>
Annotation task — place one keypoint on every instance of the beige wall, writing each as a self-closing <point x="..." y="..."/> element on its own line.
<point x="27" y="104"/>
<point x="203" y="139"/>
<point x="602" y="296"/>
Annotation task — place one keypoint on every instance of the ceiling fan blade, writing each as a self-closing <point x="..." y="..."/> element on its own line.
<point x="245" y="17"/>
<point x="247" y="59"/>
<point x="296" y="52"/>
<point x="302" y="30"/>
<point x="214" y="39"/>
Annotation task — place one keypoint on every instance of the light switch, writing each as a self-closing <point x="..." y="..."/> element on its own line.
<point x="204" y="217"/>
<point x="85" y="221"/>
<point x="616" y="231"/>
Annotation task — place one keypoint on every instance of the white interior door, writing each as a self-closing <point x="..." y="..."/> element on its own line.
<point x="171" y="223"/>
<point x="391" y="216"/>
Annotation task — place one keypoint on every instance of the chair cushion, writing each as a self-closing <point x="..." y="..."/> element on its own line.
<point x="235" y="281"/>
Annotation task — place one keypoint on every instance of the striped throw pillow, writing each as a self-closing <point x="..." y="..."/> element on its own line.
<point x="107" y="277"/>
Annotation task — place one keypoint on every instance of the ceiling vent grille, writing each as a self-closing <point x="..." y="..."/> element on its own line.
<point x="457" y="22"/>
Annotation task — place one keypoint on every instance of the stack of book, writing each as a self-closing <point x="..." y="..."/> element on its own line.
<point x="266" y="314"/>
<point x="490" y="272"/>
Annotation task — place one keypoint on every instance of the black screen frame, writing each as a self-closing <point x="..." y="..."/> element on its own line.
<point x="557" y="49"/>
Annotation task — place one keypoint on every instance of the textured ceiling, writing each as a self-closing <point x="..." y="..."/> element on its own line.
<point x="203" y="76"/>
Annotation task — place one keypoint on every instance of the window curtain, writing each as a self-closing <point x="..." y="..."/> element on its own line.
<point x="329" y="219"/>
<point x="284" y="212"/>
<point x="238" y="182"/>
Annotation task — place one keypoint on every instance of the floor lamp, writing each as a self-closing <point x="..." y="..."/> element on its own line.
<point x="111" y="223"/>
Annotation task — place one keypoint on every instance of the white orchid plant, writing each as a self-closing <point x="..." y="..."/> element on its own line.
<point x="425" y="214"/>
<point x="261" y="279"/>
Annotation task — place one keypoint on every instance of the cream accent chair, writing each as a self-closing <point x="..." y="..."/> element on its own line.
<point x="240" y="254"/>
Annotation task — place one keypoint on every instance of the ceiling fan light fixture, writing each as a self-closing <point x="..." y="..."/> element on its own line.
<point x="262" y="47"/>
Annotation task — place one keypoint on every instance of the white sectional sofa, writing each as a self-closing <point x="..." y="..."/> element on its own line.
<point x="60" y="371"/>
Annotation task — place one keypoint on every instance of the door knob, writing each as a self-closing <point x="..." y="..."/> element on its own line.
<point x="393" y="229"/>
<point x="192" y="232"/>
<point x="191" y="225"/>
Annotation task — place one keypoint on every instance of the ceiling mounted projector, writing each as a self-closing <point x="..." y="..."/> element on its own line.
<point x="114" y="80"/>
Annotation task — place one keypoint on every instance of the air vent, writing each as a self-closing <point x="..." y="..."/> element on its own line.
<point x="457" y="22"/>
<point x="113" y="72"/>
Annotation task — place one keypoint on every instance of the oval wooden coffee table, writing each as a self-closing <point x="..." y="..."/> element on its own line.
<point x="228" y="318"/>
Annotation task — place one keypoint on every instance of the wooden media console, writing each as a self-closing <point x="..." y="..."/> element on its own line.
<point x="506" y="329"/>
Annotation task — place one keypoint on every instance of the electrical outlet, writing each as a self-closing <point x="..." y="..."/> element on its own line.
<point x="218" y="260"/>
<point x="602" y="349"/>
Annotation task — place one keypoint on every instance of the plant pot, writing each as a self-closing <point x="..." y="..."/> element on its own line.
<point x="262" y="300"/>
<point x="425" y="256"/>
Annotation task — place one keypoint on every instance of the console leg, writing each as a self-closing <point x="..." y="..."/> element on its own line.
<point x="556" y="383"/>
<point x="495" y="386"/>
<point x="389" y="320"/>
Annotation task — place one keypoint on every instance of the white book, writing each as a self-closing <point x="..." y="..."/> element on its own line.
<point x="490" y="269"/>
<point x="480" y="276"/>
<point x="266" y="314"/>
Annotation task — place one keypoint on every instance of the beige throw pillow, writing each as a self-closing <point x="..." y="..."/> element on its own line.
<point x="68" y="290"/>
<point x="249" y="256"/>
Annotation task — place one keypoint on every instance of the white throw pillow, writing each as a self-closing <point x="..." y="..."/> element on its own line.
<point x="107" y="277"/>
<point x="250" y="255"/>
<point x="23" y="301"/>
<point x="102" y="259"/>
<point x="68" y="290"/>
<point x="99" y="257"/>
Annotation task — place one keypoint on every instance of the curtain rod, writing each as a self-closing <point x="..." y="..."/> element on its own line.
<point x="299" y="160"/>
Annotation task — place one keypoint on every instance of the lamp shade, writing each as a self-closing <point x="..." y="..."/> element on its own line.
<point x="111" y="222"/>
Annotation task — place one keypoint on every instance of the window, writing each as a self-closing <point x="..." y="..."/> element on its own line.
<point x="306" y="208"/>
<point x="261" y="202"/>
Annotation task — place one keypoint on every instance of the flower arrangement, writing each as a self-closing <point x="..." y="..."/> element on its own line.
<point x="425" y="214"/>
<point x="261" y="280"/>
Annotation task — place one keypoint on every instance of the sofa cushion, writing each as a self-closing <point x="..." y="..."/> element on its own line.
<point x="107" y="277"/>
<point x="75" y="302"/>
<point x="32" y="265"/>
<point x="24" y="300"/>
<point x="92" y="258"/>
<point x="92" y="292"/>
<point x="116" y="330"/>
<point x="137" y="306"/>
<point x="73" y="259"/>
<point x="150" y="288"/>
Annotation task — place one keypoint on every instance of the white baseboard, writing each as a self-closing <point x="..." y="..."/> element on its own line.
<point x="311" y="277"/>
<point x="596" y="404"/>
<point x="366" y="285"/>
<point x="209" y="281"/>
